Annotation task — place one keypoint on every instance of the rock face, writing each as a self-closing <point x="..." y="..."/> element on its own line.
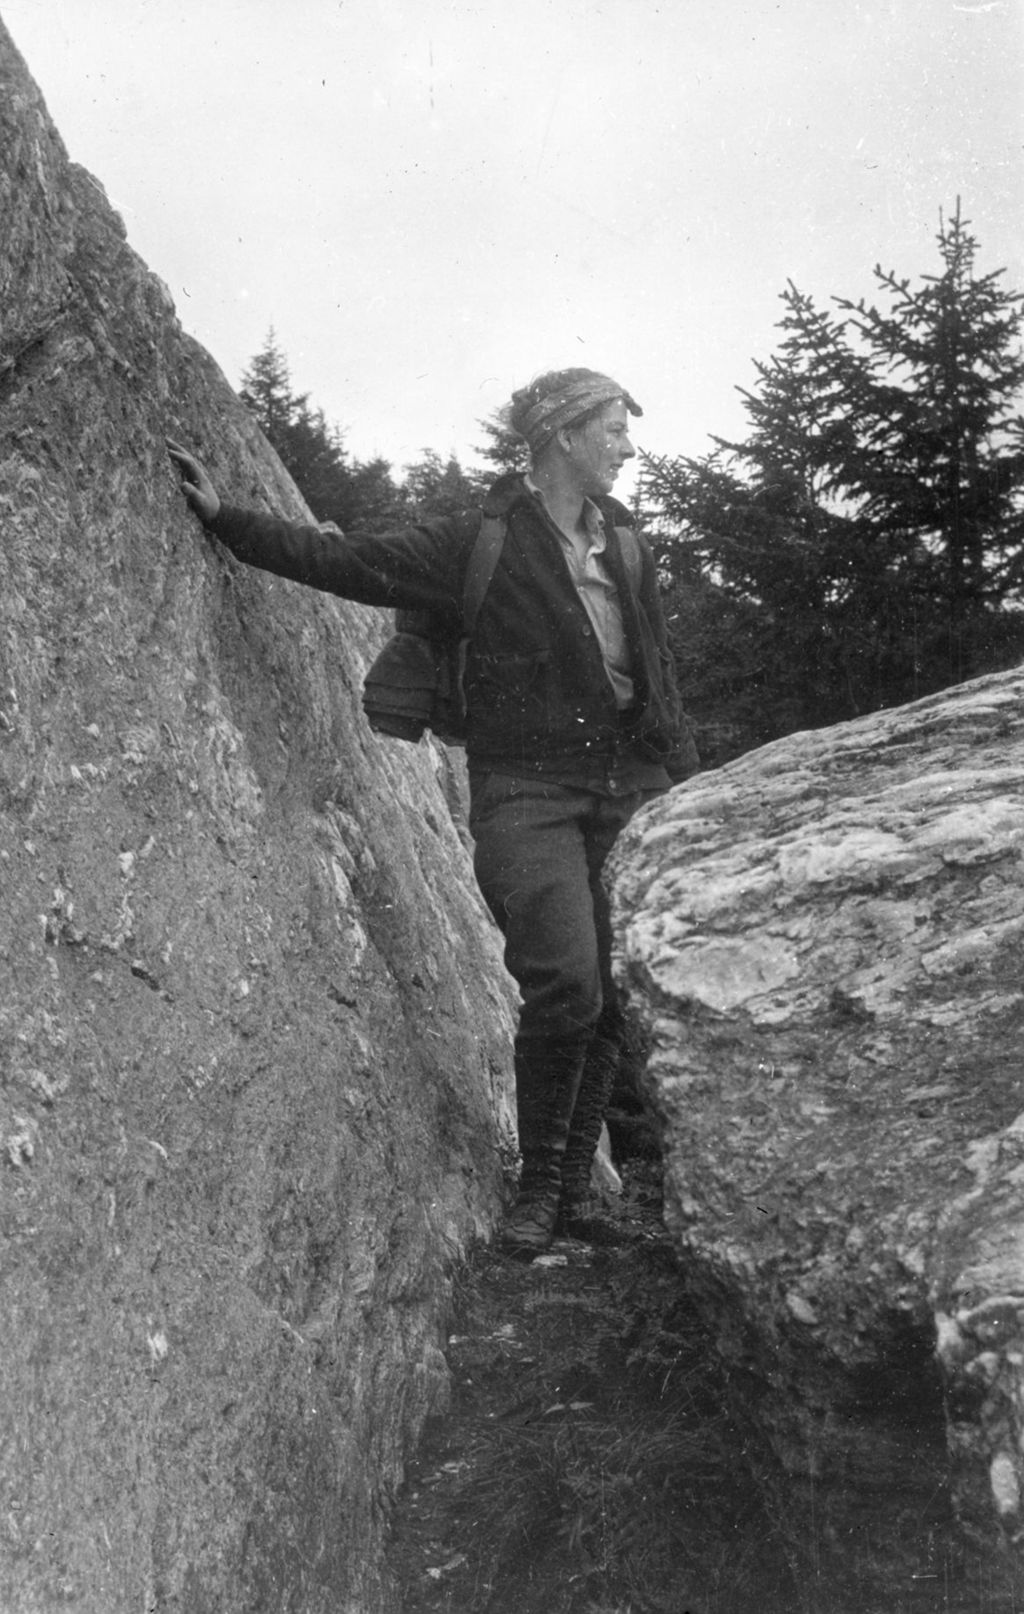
<point x="254" y="1027"/>
<point x="825" y="941"/>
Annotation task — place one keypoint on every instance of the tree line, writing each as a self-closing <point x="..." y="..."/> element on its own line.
<point x="864" y="545"/>
<point x="861" y="546"/>
<point x="362" y="495"/>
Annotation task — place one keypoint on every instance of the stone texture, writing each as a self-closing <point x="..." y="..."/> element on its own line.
<point x="254" y="1028"/>
<point x="825" y="942"/>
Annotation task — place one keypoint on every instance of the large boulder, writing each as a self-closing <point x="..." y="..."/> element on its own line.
<point x="254" y="1027"/>
<point x="825" y="941"/>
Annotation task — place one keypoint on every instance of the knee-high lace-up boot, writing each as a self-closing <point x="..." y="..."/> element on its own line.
<point x="547" y="1082"/>
<point x="578" y="1204"/>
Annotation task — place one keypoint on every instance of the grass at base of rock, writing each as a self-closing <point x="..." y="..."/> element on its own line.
<point x="596" y="1459"/>
<point x="586" y="1464"/>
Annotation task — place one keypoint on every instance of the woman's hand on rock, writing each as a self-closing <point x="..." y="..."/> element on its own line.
<point x="195" y="482"/>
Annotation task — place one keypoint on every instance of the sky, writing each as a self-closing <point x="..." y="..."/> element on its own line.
<point x="431" y="201"/>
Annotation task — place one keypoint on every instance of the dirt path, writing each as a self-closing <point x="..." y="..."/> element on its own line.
<point x="589" y="1465"/>
<point x="580" y="1468"/>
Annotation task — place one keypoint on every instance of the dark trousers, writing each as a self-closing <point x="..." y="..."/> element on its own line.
<point x="540" y="848"/>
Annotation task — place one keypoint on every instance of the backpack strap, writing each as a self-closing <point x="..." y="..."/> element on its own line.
<point x="632" y="560"/>
<point x="486" y="553"/>
<point x="483" y="559"/>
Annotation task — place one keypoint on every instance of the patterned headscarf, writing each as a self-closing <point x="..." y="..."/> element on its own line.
<point x="558" y="399"/>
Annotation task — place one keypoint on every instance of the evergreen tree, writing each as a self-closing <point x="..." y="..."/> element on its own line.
<point x="869" y="530"/>
<point x="314" y="455"/>
<point x="945" y="463"/>
<point x="267" y="391"/>
<point x="358" y="496"/>
<point x="373" y="501"/>
<point x="439" y="487"/>
<point x="505" y="449"/>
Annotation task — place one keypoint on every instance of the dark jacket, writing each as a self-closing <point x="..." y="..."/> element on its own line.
<point x="537" y="694"/>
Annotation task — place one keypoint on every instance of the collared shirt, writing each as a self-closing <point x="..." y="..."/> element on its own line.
<point x="584" y="555"/>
